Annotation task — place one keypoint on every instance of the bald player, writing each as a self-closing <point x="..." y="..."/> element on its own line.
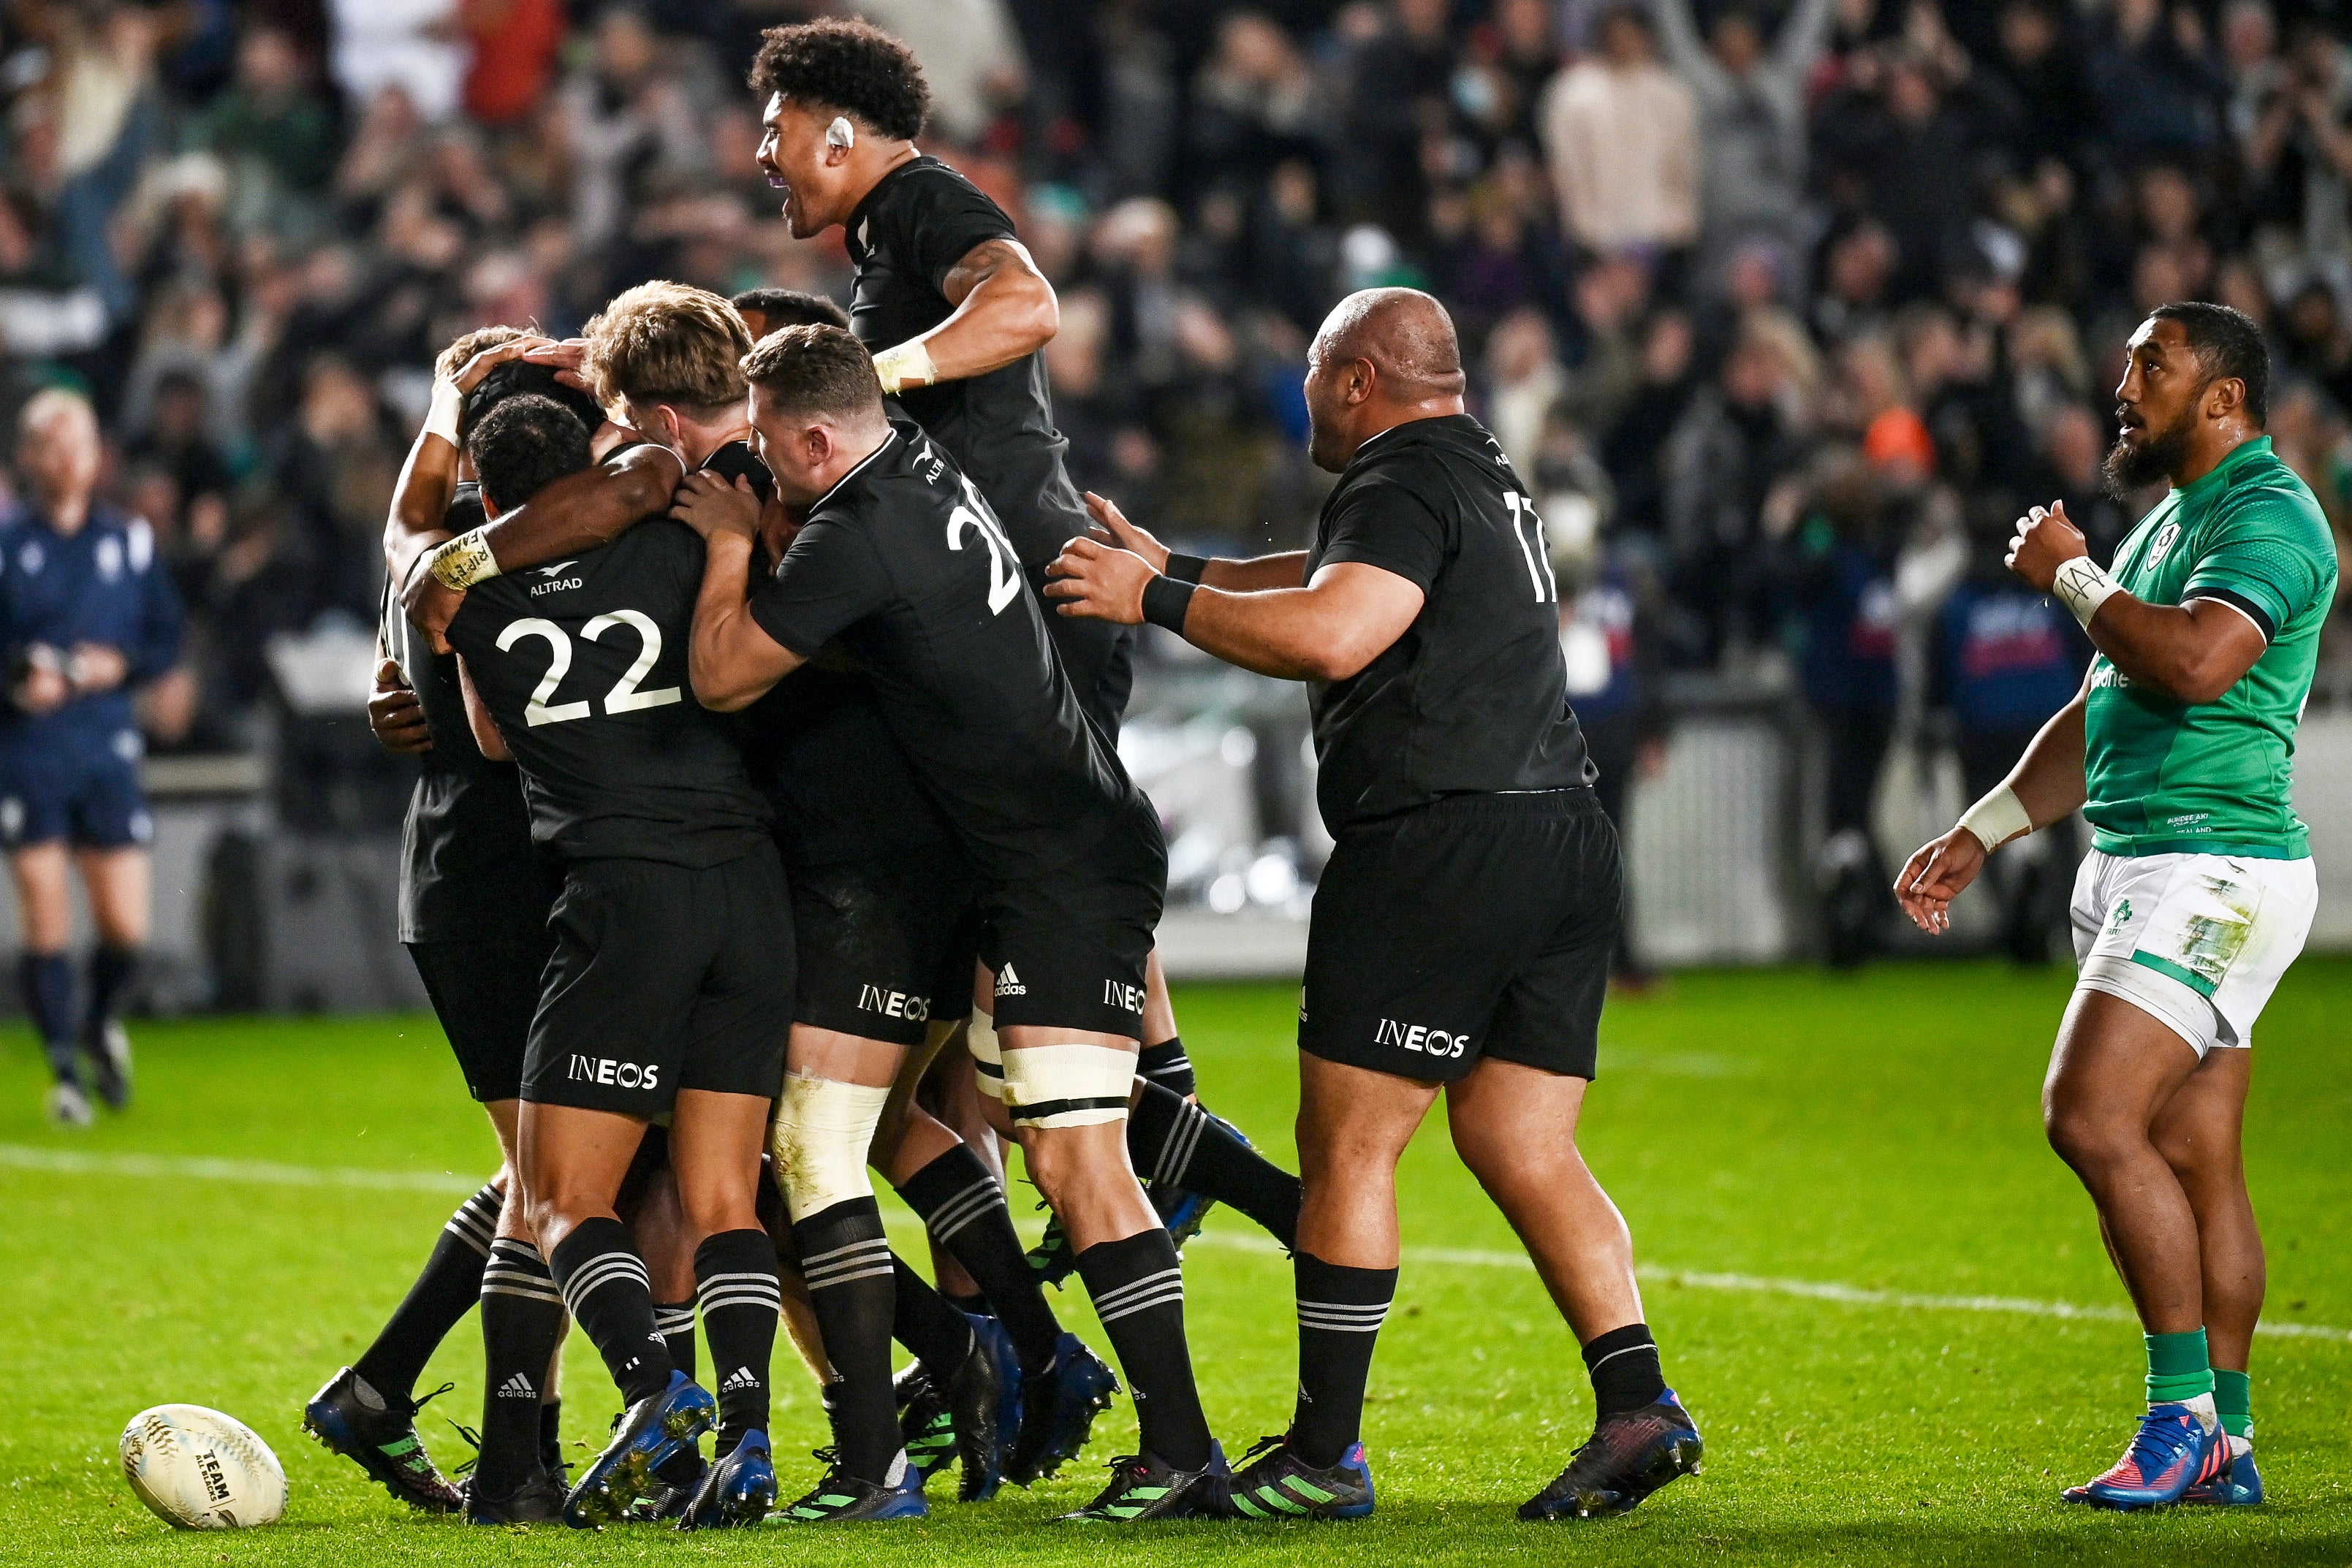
<point x="1462" y="929"/>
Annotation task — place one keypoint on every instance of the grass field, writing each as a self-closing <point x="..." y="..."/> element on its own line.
<point x="1766" y="1134"/>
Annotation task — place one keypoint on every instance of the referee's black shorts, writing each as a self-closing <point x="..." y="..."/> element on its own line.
<point x="1476" y="925"/>
<point x="886" y="943"/>
<point x="665" y="977"/>
<point x="484" y="993"/>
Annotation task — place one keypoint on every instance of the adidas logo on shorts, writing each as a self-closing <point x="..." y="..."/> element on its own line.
<point x="740" y="1379"/>
<point x="517" y="1388"/>
<point x="1008" y="983"/>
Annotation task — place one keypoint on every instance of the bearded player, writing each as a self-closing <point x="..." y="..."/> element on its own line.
<point x="2199" y="889"/>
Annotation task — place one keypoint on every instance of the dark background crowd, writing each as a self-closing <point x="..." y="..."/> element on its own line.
<point x="1786" y="308"/>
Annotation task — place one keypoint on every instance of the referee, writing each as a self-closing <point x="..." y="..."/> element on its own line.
<point x="1462" y="930"/>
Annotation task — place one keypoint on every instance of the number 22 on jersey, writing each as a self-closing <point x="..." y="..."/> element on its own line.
<point x="624" y="697"/>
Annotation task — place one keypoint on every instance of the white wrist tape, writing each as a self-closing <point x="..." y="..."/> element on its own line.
<point x="441" y="414"/>
<point x="1067" y="1085"/>
<point x="824" y="1129"/>
<point x="987" y="1054"/>
<point x="908" y="364"/>
<point x="1997" y="819"/>
<point x="2081" y="587"/>
<point x="466" y="560"/>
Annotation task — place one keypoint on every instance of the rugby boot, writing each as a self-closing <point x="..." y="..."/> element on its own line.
<point x="1628" y="1457"/>
<point x="644" y="1440"/>
<point x="841" y="1499"/>
<point x="2171" y="1452"/>
<point x="676" y="1481"/>
<point x="538" y="1500"/>
<point x="68" y="1106"/>
<point x="2240" y="1486"/>
<point x="1145" y="1486"/>
<point x="926" y="1427"/>
<point x="973" y="1400"/>
<point x="989" y="1332"/>
<point x="737" y="1490"/>
<point x="109" y="1065"/>
<point x="1058" y="1408"/>
<point x="383" y="1442"/>
<point x="1276" y="1483"/>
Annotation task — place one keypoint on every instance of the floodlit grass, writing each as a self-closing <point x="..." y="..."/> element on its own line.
<point x="1878" y="1133"/>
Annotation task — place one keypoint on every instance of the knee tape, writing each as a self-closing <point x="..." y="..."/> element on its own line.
<point x="1067" y="1085"/>
<point x="987" y="1054"/>
<point x="824" y="1128"/>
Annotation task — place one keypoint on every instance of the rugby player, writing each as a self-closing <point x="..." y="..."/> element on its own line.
<point x="672" y="965"/>
<point x="955" y="311"/>
<point x="1454" y="778"/>
<point x="903" y="561"/>
<point x="2199" y="889"/>
<point x="86" y="616"/>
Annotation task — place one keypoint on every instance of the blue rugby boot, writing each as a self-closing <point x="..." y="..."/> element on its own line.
<point x="381" y="1439"/>
<point x="2171" y="1452"/>
<point x="2240" y="1486"/>
<point x="1628" y="1457"/>
<point x="1276" y="1483"/>
<point x="736" y="1490"/>
<point x="1057" y="1411"/>
<point x="842" y="1498"/>
<point x="648" y="1434"/>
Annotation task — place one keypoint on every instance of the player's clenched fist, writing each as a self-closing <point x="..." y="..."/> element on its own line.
<point x="2045" y="541"/>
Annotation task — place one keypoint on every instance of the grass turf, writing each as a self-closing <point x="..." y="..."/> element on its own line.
<point x="1878" y="1133"/>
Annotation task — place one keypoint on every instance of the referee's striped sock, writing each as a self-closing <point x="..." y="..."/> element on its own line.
<point x="848" y="1268"/>
<point x="522" y="1318"/>
<point x="964" y="1209"/>
<point x="1139" y="1293"/>
<point x="603" y="1282"/>
<point x="1177" y="1143"/>
<point x="1339" y="1314"/>
<point x="444" y="1291"/>
<point x="735" y="1280"/>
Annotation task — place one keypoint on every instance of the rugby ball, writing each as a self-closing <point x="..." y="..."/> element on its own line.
<point x="200" y="1470"/>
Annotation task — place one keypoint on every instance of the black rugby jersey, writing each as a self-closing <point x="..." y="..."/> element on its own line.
<point x="468" y="871"/>
<point x="1474" y="697"/>
<point x="584" y="665"/>
<point x="906" y="564"/>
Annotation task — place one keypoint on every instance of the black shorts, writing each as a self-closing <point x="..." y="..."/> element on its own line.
<point x="1477" y="925"/>
<point x="665" y="977"/>
<point x="1068" y="948"/>
<point x="887" y="945"/>
<point x="485" y="993"/>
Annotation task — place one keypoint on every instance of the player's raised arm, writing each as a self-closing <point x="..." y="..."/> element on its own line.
<point x="420" y="502"/>
<point x="1005" y="311"/>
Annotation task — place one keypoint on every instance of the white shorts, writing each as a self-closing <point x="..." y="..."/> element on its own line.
<point x="2198" y="941"/>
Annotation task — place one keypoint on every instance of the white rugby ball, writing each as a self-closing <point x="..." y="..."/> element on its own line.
<point x="200" y="1470"/>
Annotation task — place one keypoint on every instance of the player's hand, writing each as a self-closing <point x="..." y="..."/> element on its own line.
<point x="431" y="603"/>
<point x="712" y="505"/>
<point x="395" y="714"/>
<point x="564" y="356"/>
<point x="1936" y="875"/>
<point x="1111" y="528"/>
<point x="469" y="374"/>
<point x="42" y="686"/>
<point x="1096" y="581"/>
<point x="2045" y="541"/>
<point x="96" y="668"/>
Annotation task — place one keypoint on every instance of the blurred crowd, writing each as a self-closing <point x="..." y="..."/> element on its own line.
<point x="1787" y="307"/>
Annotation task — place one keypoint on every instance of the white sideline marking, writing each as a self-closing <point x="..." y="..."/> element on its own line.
<point x="74" y="1162"/>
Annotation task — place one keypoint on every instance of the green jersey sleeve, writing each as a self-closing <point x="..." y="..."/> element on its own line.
<point x="2267" y="555"/>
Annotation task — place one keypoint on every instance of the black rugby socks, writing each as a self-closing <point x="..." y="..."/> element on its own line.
<point x="964" y="1209"/>
<point x="444" y="1291"/>
<point x="1339" y="1315"/>
<point x="849" y="1271"/>
<point x="603" y="1282"/>
<point x="111" y="970"/>
<point x="1176" y="1143"/>
<point x="46" y="981"/>
<point x="1167" y="1065"/>
<point x="522" y="1319"/>
<point x="735" y="1280"/>
<point x="675" y="1321"/>
<point x="1139" y="1293"/>
<point x="924" y="1322"/>
<point x="1623" y="1365"/>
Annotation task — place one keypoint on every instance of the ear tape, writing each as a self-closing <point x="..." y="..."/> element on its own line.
<point x="841" y="133"/>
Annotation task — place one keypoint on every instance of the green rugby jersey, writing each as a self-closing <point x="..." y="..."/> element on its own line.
<point x="2165" y="777"/>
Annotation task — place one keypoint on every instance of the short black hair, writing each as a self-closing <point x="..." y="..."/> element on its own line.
<point x="814" y="370"/>
<point x="2227" y="343"/>
<point x="853" y="67"/>
<point x="790" y="308"/>
<point x="523" y="446"/>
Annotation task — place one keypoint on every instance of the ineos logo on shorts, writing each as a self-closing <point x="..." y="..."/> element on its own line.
<point x="620" y="1075"/>
<point x="1125" y="998"/>
<point x="894" y="1004"/>
<point x="1420" y="1038"/>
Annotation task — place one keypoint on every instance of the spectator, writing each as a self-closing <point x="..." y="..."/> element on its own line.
<point x="2156" y="92"/>
<point x="270" y="125"/>
<point x="1622" y="133"/>
<point x="1751" y="106"/>
<point x="1736" y="439"/>
<point x="403" y="45"/>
